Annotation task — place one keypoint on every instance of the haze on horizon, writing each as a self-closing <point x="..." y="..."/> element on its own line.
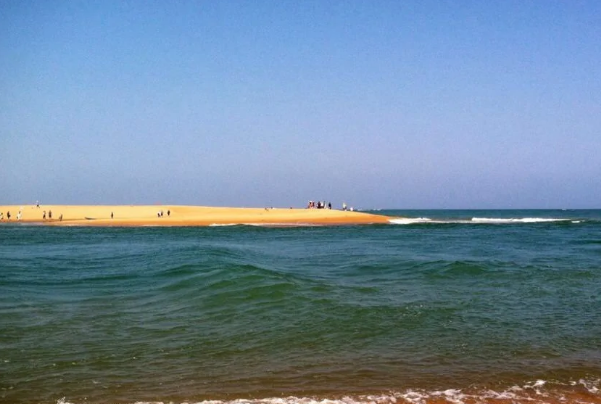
<point x="380" y="104"/>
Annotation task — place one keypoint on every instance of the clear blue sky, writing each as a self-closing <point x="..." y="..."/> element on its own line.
<point x="381" y="104"/>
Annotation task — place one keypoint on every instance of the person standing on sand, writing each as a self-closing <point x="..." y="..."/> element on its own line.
<point x="49" y="214"/>
<point x="168" y="213"/>
<point x="111" y="215"/>
<point x="8" y="215"/>
<point x="60" y="218"/>
<point x="44" y="216"/>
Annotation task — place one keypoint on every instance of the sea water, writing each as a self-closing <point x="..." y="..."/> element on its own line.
<point x="441" y="306"/>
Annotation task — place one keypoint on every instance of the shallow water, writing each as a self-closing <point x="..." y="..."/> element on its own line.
<point x="448" y="306"/>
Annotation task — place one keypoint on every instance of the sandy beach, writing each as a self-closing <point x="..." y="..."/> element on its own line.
<point x="174" y="215"/>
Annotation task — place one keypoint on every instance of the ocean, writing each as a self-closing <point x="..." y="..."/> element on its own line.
<point x="445" y="306"/>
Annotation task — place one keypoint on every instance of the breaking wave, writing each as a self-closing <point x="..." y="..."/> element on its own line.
<point x="481" y="220"/>
<point x="534" y="392"/>
<point x="516" y="220"/>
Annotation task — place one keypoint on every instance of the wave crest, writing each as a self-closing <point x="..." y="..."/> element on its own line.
<point x="480" y="220"/>
<point x="534" y="392"/>
<point x="516" y="220"/>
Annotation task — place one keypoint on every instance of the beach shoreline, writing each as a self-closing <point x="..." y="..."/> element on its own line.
<point x="180" y="215"/>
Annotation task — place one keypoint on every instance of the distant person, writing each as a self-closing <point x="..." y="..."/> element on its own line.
<point x="111" y="215"/>
<point x="44" y="215"/>
<point x="49" y="214"/>
<point x="7" y="215"/>
<point x="19" y="215"/>
<point x="168" y="213"/>
<point x="37" y="204"/>
<point x="330" y="205"/>
<point x="343" y="205"/>
<point x="1" y="216"/>
<point x="60" y="218"/>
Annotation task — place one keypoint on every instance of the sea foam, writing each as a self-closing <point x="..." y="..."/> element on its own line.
<point x="536" y="392"/>
<point x="479" y="220"/>
<point x="410" y="220"/>
<point x="515" y="220"/>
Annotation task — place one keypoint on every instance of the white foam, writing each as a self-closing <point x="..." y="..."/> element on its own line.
<point x="478" y="220"/>
<point x="590" y="385"/>
<point x="278" y="224"/>
<point x="538" y="391"/>
<point x="403" y="220"/>
<point x="452" y="395"/>
<point x="515" y="220"/>
<point x="266" y="224"/>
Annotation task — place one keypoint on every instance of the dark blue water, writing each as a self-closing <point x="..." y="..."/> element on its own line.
<point x="450" y="306"/>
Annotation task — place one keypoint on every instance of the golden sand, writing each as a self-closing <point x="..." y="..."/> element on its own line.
<point x="123" y="215"/>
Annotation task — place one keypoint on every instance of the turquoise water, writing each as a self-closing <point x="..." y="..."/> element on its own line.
<point x="449" y="306"/>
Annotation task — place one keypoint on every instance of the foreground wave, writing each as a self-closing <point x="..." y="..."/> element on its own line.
<point x="535" y="392"/>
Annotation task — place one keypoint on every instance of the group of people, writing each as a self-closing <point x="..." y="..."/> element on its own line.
<point x="319" y="205"/>
<point x="324" y="205"/>
<point x="60" y="218"/>
<point x="48" y="216"/>
<point x="8" y="215"/>
<point x="20" y="214"/>
<point x="37" y="205"/>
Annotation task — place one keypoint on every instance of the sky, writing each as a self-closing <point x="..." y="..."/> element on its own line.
<point x="376" y="103"/>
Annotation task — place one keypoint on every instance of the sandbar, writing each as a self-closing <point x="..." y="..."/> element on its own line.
<point x="177" y="215"/>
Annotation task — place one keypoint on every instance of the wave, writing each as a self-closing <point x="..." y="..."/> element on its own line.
<point x="416" y="220"/>
<point x="481" y="220"/>
<point x="534" y="392"/>
<point x="517" y="220"/>
<point x="267" y="224"/>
